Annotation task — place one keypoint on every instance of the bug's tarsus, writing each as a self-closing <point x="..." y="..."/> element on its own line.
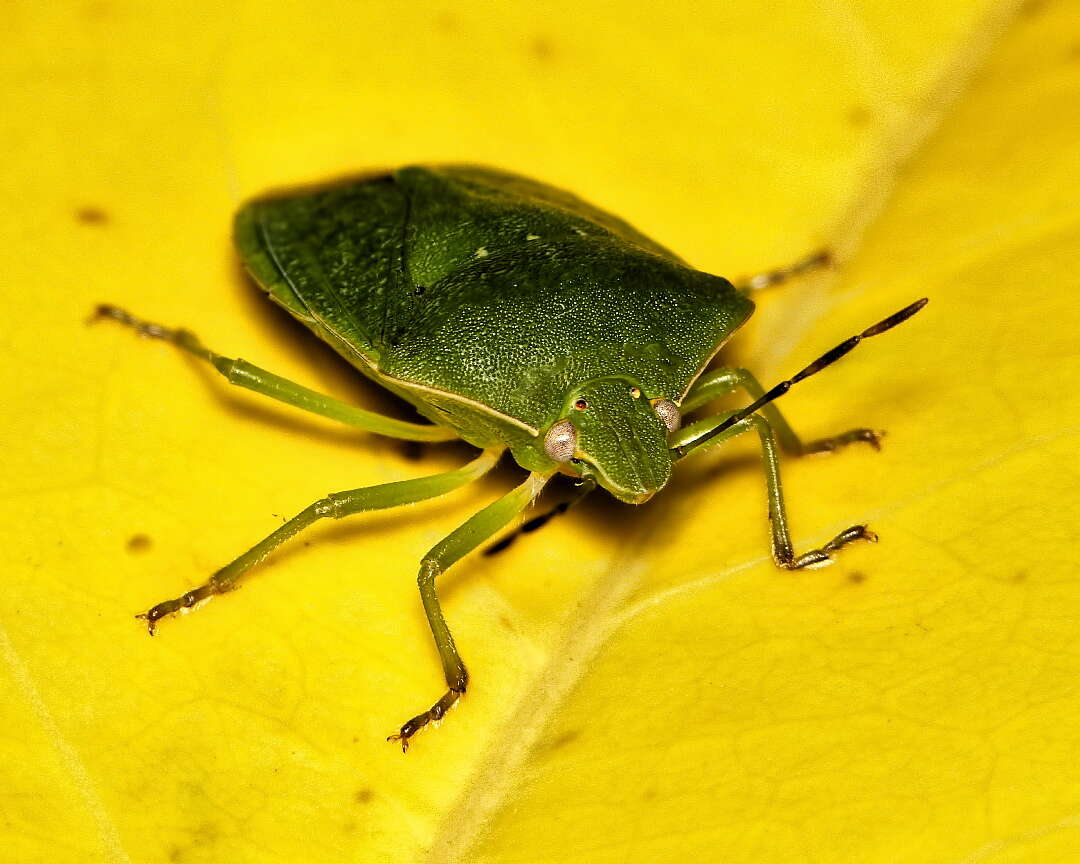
<point x="787" y="559"/>
<point x="169" y="607"/>
<point x="435" y="713"/>
<point x="832" y="444"/>
<point x="826" y="359"/>
<point x="178" y="336"/>
<point x="820" y="259"/>
<point x="141" y="326"/>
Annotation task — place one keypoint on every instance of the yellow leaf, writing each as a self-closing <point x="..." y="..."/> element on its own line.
<point x="646" y="685"/>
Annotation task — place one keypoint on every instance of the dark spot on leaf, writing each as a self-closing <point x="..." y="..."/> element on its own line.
<point x="97" y="10"/>
<point x="859" y="116"/>
<point x="446" y="22"/>
<point x="856" y="577"/>
<point x="1020" y="576"/>
<point x="364" y="795"/>
<point x="542" y="48"/>
<point x="91" y="216"/>
<point x="563" y="738"/>
<point x="139" y="543"/>
<point x="203" y="835"/>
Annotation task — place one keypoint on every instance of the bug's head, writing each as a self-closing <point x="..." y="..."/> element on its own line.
<point x="613" y="432"/>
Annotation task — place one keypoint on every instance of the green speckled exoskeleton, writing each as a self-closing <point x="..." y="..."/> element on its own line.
<point x="519" y="318"/>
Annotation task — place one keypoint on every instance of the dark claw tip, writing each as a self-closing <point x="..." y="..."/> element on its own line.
<point x="102" y="310"/>
<point x="145" y="616"/>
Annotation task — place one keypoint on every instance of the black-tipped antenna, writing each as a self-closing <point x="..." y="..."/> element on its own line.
<point x="826" y="359"/>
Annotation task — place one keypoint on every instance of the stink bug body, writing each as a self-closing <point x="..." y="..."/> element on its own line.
<point x="516" y="317"/>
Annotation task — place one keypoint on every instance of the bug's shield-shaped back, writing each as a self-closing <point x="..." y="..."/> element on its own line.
<point x="493" y="289"/>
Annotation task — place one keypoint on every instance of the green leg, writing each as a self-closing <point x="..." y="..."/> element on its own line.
<point x="457" y="544"/>
<point x="333" y="506"/>
<point x="782" y="550"/>
<point x="244" y="374"/>
<point x="722" y="381"/>
<point x="538" y="522"/>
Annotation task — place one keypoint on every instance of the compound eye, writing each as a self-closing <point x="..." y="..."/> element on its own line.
<point x="561" y="441"/>
<point x="668" y="412"/>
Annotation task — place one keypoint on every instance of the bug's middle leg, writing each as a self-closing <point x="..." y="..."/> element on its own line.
<point x="722" y="381"/>
<point x="783" y="551"/>
<point x="333" y="506"/>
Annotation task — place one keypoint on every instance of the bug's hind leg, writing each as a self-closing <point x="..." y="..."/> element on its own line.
<point x="333" y="506"/>
<point x="251" y="377"/>
<point x="457" y="544"/>
<point x="783" y="552"/>
<point x="723" y="381"/>
<point x="815" y="261"/>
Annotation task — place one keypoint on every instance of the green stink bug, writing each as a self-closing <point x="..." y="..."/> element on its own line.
<point x="517" y="317"/>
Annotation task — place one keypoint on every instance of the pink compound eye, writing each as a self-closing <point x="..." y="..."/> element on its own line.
<point x="561" y="441"/>
<point x="668" y="412"/>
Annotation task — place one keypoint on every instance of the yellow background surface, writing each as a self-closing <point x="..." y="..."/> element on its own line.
<point x="646" y="685"/>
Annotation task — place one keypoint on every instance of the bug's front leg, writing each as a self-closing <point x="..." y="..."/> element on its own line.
<point x="722" y="381"/>
<point x="460" y="542"/>
<point x="333" y="506"/>
<point x="783" y="552"/>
